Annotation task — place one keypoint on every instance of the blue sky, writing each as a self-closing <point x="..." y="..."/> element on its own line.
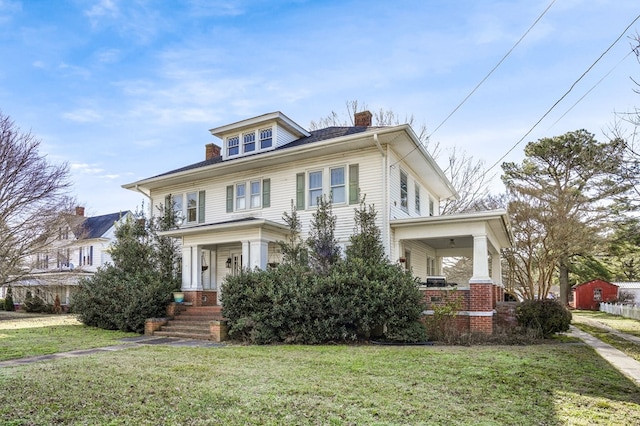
<point x="124" y="89"/>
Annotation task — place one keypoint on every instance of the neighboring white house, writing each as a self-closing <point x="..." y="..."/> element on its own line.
<point x="233" y="202"/>
<point x="78" y="250"/>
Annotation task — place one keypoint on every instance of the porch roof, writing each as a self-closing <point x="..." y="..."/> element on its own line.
<point x="236" y="224"/>
<point x="452" y="235"/>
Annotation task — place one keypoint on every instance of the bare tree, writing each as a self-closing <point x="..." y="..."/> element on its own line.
<point x="33" y="193"/>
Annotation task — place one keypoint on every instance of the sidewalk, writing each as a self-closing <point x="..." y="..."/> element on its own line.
<point x="618" y="359"/>
<point x="129" y="342"/>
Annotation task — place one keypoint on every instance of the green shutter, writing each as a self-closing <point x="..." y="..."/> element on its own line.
<point x="201" y="196"/>
<point x="300" y="191"/>
<point x="354" y="190"/>
<point x="266" y="193"/>
<point x="230" y="199"/>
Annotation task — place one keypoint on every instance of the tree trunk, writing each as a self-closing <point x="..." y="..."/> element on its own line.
<point x="563" y="269"/>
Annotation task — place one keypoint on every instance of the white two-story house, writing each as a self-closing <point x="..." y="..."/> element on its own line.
<point x="232" y="203"/>
<point x="76" y="250"/>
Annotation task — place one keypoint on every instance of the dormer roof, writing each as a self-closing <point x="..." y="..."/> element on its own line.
<point x="265" y="119"/>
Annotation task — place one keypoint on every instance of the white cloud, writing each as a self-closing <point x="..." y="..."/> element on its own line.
<point x="83" y="116"/>
<point x="84" y="168"/>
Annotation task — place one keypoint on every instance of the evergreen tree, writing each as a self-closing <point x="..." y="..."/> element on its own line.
<point x="8" y="300"/>
<point x="324" y="251"/>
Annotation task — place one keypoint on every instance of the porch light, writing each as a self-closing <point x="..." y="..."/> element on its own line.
<point x="228" y="263"/>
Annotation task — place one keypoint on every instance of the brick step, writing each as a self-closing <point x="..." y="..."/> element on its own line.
<point x="200" y="309"/>
<point x="198" y="318"/>
<point x="190" y="328"/>
<point x="183" y="335"/>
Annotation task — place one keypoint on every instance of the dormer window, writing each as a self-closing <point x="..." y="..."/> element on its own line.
<point x="266" y="138"/>
<point x="249" y="141"/>
<point x="233" y="146"/>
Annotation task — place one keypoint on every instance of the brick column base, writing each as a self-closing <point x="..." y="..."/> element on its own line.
<point x="152" y="325"/>
<point x="218" y="330"/>
<point x="481" y="307"/>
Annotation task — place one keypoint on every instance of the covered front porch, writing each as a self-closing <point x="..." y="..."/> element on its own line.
<point x="422" y="244"/>
<point x="213" y="251"/>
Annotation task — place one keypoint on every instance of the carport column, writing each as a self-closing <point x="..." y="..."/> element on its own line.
<point x="481" y="296"/>
<point x="258" y="254"/>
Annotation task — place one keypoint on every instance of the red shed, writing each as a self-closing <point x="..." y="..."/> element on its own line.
<point x="589" y="295"/>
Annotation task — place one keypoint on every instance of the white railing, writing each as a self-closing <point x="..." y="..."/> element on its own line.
<point x="627" y="311"/>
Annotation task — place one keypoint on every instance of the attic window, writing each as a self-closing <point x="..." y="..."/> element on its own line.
<point x="249" y="140"/>
<point x="266" y="138"/>
<point x="233" y="146"/>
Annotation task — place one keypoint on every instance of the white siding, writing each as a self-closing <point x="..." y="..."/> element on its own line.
<point x="282" y="136"/>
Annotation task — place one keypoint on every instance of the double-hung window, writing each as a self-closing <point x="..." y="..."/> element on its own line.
<point x="338" y="185"/>
<point x="431" y="206"/>
<point x="192" y="206"/>
<point x="233" y="146"/>
<point x="249" y="141"/>
<point x="256" y="194"/>
<point x="266" y="138"/>
<point x="259" y="195"/>
<point x="404" y="191"/>
<point x="315" y="187"/>
<point x="341" y="183"/>
<point x="241" y="196"/>
<point x="417" y="199"/>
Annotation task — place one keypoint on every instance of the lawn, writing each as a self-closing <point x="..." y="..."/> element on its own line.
<point x="23" y="335"/>
<point x="547" y="384"/>
<point x="625" y="325"/>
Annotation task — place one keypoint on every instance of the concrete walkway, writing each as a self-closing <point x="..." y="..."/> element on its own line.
<point x="129" y="342"/>
<point x="618" y="359"/>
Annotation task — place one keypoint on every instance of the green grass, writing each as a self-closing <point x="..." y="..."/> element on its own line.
<point x="335" y="385"/>
<point x="630" y="348"/>
<point x="625" y="325"/>
<point x="24" y="335"/>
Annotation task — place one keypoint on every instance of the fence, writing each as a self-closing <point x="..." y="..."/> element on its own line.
<point x="627" y="311"/>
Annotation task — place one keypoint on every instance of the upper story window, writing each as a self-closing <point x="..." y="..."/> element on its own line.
<point x="189" y="206"/>
<point x="256" y="194"/>
<point x="249" y="142"/>
<point x="241" y="196"/>
<point x="315" y="187"/>
<point x="417" y="195"/>
<point x="259" y="195"/>
<point x="404" y="191"/>
<point x="431" y="206"/>
<point x="338" y="185"/>
<point x="266" y="138"/>
<point x="341" y="183"/>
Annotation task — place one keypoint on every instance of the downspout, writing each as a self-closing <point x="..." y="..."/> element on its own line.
<point x="385" y="197"/>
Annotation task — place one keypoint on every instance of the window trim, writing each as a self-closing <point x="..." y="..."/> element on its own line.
<point x="249" y="139"/>
<point x="350" y="185"/>
<point x="416" y="195"/>
<point x="264" y="139"/>
<point x="236" y="139"/>
<point x="343" y="185"/>
<point x="256" y="138"/>
<point x="263" y="195"/>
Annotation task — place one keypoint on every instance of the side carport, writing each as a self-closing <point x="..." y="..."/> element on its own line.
<point x="479" y="235"/>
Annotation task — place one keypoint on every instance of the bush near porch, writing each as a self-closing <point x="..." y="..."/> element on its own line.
<point x="289" y="304"/>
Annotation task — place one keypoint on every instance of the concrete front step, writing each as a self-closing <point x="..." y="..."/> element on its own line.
<point x="197" y="318"/>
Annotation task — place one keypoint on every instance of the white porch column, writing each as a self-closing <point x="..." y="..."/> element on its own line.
<point x="258" y="254"/>
<point x="480" y="259"/>
<point x="246" y="254"/>
<point x="196" y="268"/>
<point x="214" y="269"/>
<point x="496" y="269"/>
<point x="186" y="267"/>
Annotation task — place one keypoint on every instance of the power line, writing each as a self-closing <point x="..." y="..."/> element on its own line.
<point x="564" y="95"/>
<point x="592" y="87"/>
<point x="483" y="80"/>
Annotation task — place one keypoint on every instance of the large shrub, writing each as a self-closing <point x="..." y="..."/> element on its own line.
<point x="544" y="316"/>
<point x="139" y="283"/>
<point x="35" y="304"/>
<point x="351" y="300"/>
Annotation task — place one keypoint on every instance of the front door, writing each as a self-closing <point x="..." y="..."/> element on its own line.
<point x="236" y="263"/>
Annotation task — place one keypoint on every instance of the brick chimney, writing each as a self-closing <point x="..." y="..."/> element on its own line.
<point x="79" y="211"/>
<point x="211" y="151"/>
<point x="362" y="118"/>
